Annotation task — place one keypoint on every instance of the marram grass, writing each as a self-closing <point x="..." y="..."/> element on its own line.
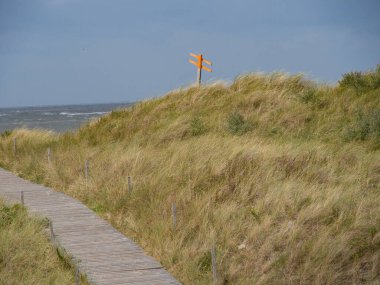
<point x="26" y="255"/>
<point x="280" y="173"/>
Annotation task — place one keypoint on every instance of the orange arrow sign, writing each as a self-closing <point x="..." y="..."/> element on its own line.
<point x="195" y="63"/>
<point x="206" y="68"/>
<point x="207" y="62"/>
<point x="200" y="66"/>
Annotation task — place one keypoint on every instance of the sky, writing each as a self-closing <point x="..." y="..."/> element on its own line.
<point x="56" y="52"/>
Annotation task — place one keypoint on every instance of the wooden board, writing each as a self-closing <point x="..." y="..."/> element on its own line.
<point x="105" y="255"/>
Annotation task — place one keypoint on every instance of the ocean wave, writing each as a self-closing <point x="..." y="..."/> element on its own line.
<point x="82" y="114"/>
<point x="3" y="115"/>
<point x="48" y="114"/>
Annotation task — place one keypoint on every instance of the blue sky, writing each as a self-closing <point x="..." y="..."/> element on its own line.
<point x="95" y="51"/>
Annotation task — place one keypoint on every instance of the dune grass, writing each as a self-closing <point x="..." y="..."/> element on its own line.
<point x="282" y="174"/>
<point x="26" y="255"/>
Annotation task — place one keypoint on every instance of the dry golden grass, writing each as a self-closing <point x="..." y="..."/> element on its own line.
<point x="26" y="255"/>
<point x="281" y="174"/>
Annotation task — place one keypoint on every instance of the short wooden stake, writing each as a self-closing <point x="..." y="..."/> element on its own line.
<point x="22" y="198"/>
<point x="77" y="276"/>
<point x="213" y="261"/>
<point x="49" y="155"/>
<point x="51" y="231"/>
<point x="174" y="215"/>
<point x="14" y="145"/>
<point x="129" y="184"/>
<point x="86" y="168"/>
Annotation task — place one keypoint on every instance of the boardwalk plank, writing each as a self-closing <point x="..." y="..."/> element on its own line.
<point x="101" y="252"/>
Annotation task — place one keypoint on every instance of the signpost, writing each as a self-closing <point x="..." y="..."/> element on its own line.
<point x="199" y="64"/>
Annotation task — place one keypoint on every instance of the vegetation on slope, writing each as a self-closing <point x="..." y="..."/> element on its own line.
<point x="26" y="255"/>
<point x="280" y="173"/>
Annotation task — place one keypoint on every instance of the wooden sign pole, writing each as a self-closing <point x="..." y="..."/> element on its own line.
<point x="199" y="80"/>
<point x="200" y="66"/>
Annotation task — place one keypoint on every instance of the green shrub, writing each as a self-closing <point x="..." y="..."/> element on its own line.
<point x="6" y="133"/>
<point x="353" y="80"/>
<point x="365" y="127"/>
<point x="204" y="262"/>
<point x="197" y="127"/>
<point x="309" y="95"/>
<point x="237" y="125"/>
<point x="361" y="82"/>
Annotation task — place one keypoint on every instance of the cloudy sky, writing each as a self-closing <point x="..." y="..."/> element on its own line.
<point x="56" y="52"/>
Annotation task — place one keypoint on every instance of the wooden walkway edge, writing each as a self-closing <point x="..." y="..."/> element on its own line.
<point x="105" y="255"/>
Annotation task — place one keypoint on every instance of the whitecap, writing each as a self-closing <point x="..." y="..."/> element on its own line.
<point x="82" y="114"/>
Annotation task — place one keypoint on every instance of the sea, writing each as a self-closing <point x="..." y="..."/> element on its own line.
<point x="55" y="118"/>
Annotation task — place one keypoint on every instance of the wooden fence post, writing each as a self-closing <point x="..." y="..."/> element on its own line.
<point x="22" y="198"/>
<point x="129" y="184"/>
<point x="213" y="261"/>
<point x="77" y="276"/>
<point x="51" y="231"/>
<point x="14" y="145"/>
<point x="49" y="155"/>
<point x="174" y="215"/>
<point x="86" y="169"/>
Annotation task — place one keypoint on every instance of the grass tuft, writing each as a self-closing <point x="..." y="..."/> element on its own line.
<point x="26" y="255"/>
<point x="237" y="125"/>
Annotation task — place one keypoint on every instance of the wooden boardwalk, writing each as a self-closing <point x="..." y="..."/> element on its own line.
<point x="102" y="253"/>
